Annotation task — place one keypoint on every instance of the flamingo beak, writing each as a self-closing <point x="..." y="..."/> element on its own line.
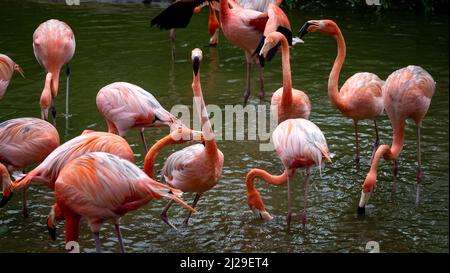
<point x="20" y="70"/>
<point x="264" y="215"/>
<point x="51" y="229"/>
<point x="196" y="65"/>
<point x="363" y="202"/>
<point x="265" y="49"/>
<point x="305" y="29"/>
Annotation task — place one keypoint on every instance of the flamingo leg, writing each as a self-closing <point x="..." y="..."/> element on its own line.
<point x="357" y="156"/>
<point x="262" y="92"/>
<point x="119" y="238"/>
<point x="144" y="143"/>
<point x="377" y="141"/>
<point x="164" y="216"/>
<point x="67" y="89"/>
<point x="194" y="203"/>
<point x="394" y="183"/>
<point x="97" y="242"/>
<point x="305" y="197"/>
<point x="289" y="215"/>
<point x="248" y="83"/>
<point x="24" y="202"/>
<point x="419" y="174"/>
<point x="173" y="38"/>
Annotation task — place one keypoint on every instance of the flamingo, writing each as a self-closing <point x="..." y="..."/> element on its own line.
<point x="300" y="144"/>
<point x="99" y="187"/>
<point x="53" y="46"/>
<point x="196" y="168"/>
<point x="47" y="172"/>
<point x="125" y="106"/>
<point x="407" y="94"/>
<point x="289" y="103"/>
<point x="213" y="27"/>
<point x="360" y="97"/>
<point x="7" y="68"/>
<point x="244" y="28"/>
<point x="23" y="142"/>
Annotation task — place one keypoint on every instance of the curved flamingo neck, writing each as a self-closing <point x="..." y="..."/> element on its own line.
<point x="210" y="141"/>
<point x="150" y="158"/>
<point x="286" y="98"/>
<point x="333" y="80"/>
<point x="213" y="23"/>
<point x="269" y="178"/>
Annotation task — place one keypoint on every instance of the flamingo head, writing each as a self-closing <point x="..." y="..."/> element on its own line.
<point x="270" y="42"/>
<point x="255" y="203"/>
<point x="53" y="217"/>
<point x="6" y="184"/>
<point x="368" y="187"/>
<point x="46" y="97"/>
<point x="19" y="69"/>
<point x="196" y="58"/>
<point x="183" y="134"/>
<point x="325" y="26"/>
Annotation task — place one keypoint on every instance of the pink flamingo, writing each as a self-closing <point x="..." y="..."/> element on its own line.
<point x="47" y="172"/>
<point x="23" y="142"/>
<point x="407" y="94"/>
<point x="125" y="106"/>
<point x="196" y="168"/>
<point x="360" y="97"/>
<point x="244" y="28"/>
<point x="289" y="103"/>
<point x="213" y="27"/>
<point x="299" y="144"/>
<point x="99" y="187"/>
<point x="7" y="68"/>
<point x="53" y="46"/>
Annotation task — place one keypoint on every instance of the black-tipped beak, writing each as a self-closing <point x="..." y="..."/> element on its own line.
<point x="304" y="30"/>
<point x="5" y="200"/>
<point x="51" y="232"/>
<point x="196" y="65"/>
<point x="361" y="210"/>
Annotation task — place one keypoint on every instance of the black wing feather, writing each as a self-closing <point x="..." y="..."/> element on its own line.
<point x="177" y="15"/>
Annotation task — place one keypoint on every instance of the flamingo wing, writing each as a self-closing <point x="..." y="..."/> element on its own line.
<point x="177" y="15"/>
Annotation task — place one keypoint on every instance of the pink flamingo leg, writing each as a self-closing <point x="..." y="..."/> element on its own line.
<point x="289" y="215"/>
<point x="419" y="165"/>
<point x="144" y="143"/>
<point x="377" y="141"/>
<point x="305" y="197"/>
<point x="97" y="242"/>
<point x="173" y="38"/>
<point x="164" y="216"/>
<point x="357" y="157"/>
<point x="394" y="184"/>
<point x="119" y="238"/>
<point x="67" y="89"/>
<point x="24" y="203"/>
<point x="194" y="203"/>
<point x="262" y="92"/>
<point x="248" y="83"/>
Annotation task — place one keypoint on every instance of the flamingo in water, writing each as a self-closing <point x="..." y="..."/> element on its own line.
<point x="23" y="142"/>
<point x="7" y="68"/>
<point x="125" y="106"/>
<point x="53" y="46"/>
<point x="360" y="97"/>
<point x="47" y="172"/>
<point x="196" y="168"/>
<point x="244" y="28"/>
<point x="407" y="94"/>
<point x="300" y="144"/>
<point x="288" y="102"/>
<point x="99" y="187"/>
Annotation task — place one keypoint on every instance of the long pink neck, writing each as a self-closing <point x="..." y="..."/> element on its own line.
<point x="333" y="80"/>
<point x="253" y="197"/>
<point x="286" y="98"/>
<point x="393" y="152"/>
<point x="210" y="141"/>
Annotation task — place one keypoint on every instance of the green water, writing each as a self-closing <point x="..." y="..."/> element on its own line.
<point x="115" y="43"/>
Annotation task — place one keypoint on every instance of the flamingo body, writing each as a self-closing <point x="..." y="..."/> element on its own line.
<point x="7" y="68"/>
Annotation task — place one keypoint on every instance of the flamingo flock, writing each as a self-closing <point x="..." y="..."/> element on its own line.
<point x="94" y="177"/>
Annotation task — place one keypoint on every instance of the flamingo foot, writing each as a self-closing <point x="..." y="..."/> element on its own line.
<point x="165" y="218"/>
